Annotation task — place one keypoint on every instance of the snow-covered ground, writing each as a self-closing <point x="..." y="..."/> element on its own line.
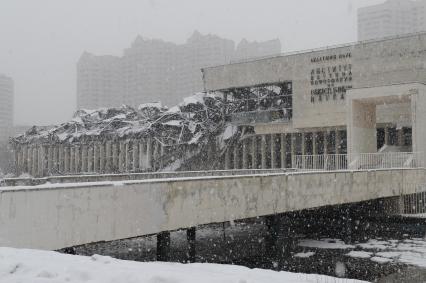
<point x="31" y="266"/>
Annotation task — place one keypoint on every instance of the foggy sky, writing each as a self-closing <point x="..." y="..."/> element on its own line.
<point x="41" y="40"/>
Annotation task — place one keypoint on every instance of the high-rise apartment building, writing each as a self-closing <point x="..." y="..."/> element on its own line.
<point x="98" y="81"/>
<point x="155" y="70"/>
<point x="6" y="107"/>
<point x="393" y="17"/>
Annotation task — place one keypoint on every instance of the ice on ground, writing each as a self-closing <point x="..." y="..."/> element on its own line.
<point x="359" y="254"/>
<point x="304" y="255"/>
<point x="380" y="259"/>
<point x="48" y="267"/>
<point x="325" y="244"/>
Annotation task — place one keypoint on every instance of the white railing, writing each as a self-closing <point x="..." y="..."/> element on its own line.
<point x="361" y="161"/>
<point x="386" y="160"/>
<point x="320" y="162"/>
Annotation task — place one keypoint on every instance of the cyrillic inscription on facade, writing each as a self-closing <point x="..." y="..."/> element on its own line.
<point x="330" y="82"/>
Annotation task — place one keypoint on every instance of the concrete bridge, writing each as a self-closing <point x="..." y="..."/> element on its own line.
<point x="55" y="216"/>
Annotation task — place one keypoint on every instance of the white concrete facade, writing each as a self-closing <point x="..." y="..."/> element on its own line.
<point x="63" y="215"/>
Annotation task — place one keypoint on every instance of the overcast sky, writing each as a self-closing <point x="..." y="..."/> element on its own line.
<point x="41" y="40"/>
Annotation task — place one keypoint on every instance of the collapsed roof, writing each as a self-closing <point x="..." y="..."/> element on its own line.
<point x="194" y="121"/>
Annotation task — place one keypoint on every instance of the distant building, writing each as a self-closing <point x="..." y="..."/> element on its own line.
<point x="393" y="17"/>
<point x="155" y="70"/>
<point x="98" y="81"/>
<point x="6" y="107"/>
<point x="246" y="50"/>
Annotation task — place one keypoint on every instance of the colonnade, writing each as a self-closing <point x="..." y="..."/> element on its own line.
<point x="271" y="151"/>
<point x="133" y="155"/>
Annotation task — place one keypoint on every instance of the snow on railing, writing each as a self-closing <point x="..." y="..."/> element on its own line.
<point x="359" y="161"/>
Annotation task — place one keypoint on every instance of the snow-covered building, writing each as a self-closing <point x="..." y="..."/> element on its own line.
<point x="259" y="114"/>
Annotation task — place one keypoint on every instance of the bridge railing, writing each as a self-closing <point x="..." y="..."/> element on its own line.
<point x="320" y="162"/>
<point x="387" y="160"/>
<point x="362" y="161"/>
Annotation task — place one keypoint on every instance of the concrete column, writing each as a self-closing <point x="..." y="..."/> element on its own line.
<point x="283" y="151"/>
<point x="337" y="142"/>
<point x="121" y="157"/>
<point x="227" y="159"/>
<point x="400" y="133"/>
<point x="149" y="154"/>
<point x="108" y="157"/>
<point x="24" y="154"/>
<point x="135" y="163"/>
<point x="273" y="152"/>
<point x="90" y="158"/>
<point x="254" y="152"/>
<point x="263" y="151"/>
<point x="128" y="157"/>
<point x="72" y="159"/>
<point x="292" y="147"/>
<point x="314" y="143"/>
<point x="29" y="156"/>
<point x="386" y="135"/>
<point x="115" y="156"/>
<point x="49" y="159"/>
<point x="34" y="162"/>
<point x="142" y="157"/>
<point x="163" y="246"/>
<point x="96" y="157"/>
<point x="101" y="157"/>
<point x="18" y="160"/>
<point x="236" y="157"/>
<point x="66" y="159"/>
<point x="325" y="143"/>
<point x="84" y="158"/>
<point x="56" y="158"/>
<point x="42" y="164"/>
<point x="77" y="154"/>
<point x="245" y="154"/>
<point x="161" y="149"/>
<point x="191" y="238"/>
<point x="61" y="161"/>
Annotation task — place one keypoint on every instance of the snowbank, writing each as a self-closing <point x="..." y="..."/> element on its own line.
<point x="41" y="267"/>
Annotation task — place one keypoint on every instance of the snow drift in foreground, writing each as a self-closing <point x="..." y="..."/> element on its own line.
<point x="41" y="266"/>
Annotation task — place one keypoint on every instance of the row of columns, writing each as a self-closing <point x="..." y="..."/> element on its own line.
<point x="108" y="157"/>
<point x="276" y="150"/>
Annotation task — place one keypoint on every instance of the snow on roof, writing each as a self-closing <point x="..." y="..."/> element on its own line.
<point x="190" y="122"/>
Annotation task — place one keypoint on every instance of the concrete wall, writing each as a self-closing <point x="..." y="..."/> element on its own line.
<point x="376" y="63"/>
<point x="58" y="216"/>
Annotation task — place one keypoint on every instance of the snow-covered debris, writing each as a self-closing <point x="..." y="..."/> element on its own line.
<point x="45" y="267"/>
<point x="192" y="124"/>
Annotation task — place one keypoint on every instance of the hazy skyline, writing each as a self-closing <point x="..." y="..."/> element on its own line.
<point x="42" y="40"/>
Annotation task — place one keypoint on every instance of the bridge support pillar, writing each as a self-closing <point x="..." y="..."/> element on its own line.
<point x="272" y="223"/>
<point x="163" y="246"/>
<point x="191" y="238"/>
